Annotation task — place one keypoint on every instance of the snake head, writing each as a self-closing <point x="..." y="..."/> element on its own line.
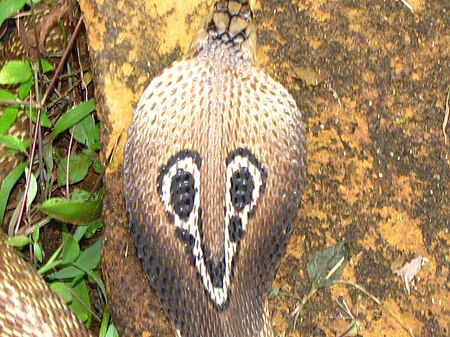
<point x="213" y="176"/>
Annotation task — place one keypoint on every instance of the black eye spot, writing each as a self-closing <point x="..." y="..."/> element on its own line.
<point x="182" y="191"/>
<point x="242" y="186"/>
<point x="235" y="230"/>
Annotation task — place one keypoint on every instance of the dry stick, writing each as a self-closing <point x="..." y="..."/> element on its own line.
<point x="41" y="165"/>
<point x="68" y="162"/>
<point x="30" y="167"/>
<point x="38" y="118"/>
<point x="62" y="94"/>
<point x="313" y="290"/>
<point x="377" y="301"/>
<point x="305" y="299"/>
<point x="37" y="129"/>
<point x="62" y="62"/>
<point x="444" y="124"/>
<point x="18" y="102"/>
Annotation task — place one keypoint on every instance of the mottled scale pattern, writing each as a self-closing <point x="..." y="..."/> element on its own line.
<point x="27" y="306"/>
<point x="214" y="170"/>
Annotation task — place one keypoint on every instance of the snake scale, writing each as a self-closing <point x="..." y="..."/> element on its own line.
<point x="214" y="170"/>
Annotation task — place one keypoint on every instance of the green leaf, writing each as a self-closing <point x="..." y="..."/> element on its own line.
<point x="15" y="143"/>
<point x="79" y="194"/>
<point x="47" y="155"/>
<point x="32" y="189"/>
<point x="8" y="184"/>
<point x="73" y="116"/>
<point x="25" y="88"/>
<point x="274" y="293"/>
<point x="51" y="263"/>
<point x="327" y="265"/>
<point x="8" y="118"/>
<point x="49" y="266"/>
<point x="104" y="324"/>
<point x="46" y="65"/>
<point x="97" y="166"/>
<point x="19" y="241"/>
<point x="93" y="227"/>
<point x="81" y="303"/>
<point x="15" y="72"/>
<point x="10" y="112"/>
<point x="36" y="247"/>
<point x="62" y="290"/>
<point x="68" y="272"/>
<point x="90" y="258"/>
<point x="45" y="121"/>
<point x="74" y="211"/>
<point x="35" y="235"/>
<point x="88" y="133"/>
<point x="78" y="168"/>
<point x="79" y="233"/>
<point x="9" y="7"/>
<point x="37" y="251"/>
<point x="7" y="95"/>
<point x="71" y="250"/>
<point x="112" y="332"/>
<point x="98" y="281"/>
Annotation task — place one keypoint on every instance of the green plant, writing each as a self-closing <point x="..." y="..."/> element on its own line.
<point x="325" y="270"/>
<point x="52" y="185"/>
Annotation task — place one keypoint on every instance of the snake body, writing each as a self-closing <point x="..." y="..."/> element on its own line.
<point x="213" y="176"/>
<point x="27" y="306"/>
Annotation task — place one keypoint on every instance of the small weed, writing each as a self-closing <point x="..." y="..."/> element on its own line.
<point x="325" y="270"/>
<point x="59" y="183"/>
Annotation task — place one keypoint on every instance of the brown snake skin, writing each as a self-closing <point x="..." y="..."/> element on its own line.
<point x="213" y="176"/>
<point x="214" y="170"/>
<point x="27" y="306"/>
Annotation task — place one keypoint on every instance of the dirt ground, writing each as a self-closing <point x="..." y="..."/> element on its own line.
<point x="371" y="78"/>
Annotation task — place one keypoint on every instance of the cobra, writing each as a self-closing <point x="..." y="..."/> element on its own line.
<point x="214" y="169"/>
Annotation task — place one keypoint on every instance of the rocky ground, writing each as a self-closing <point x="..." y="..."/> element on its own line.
<point x="372" y="79"/>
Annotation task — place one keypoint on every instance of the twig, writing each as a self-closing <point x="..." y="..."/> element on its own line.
<point x="377" y="301"/>
<point x="18" y="102"/>
<point x="360" y="288"/>
<point x="30" y="168"/>
<point x="444" y="124"/>
<point x="62" y="61"/>
<point x="38" y="118"/>
<point x="68" y="162"/>
<point x="297" y="311"/>
<point x="40" y="155"/>
<point x="408" y="5"/>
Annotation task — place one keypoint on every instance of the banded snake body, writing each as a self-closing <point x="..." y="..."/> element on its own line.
<point x="214" y="170"/>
